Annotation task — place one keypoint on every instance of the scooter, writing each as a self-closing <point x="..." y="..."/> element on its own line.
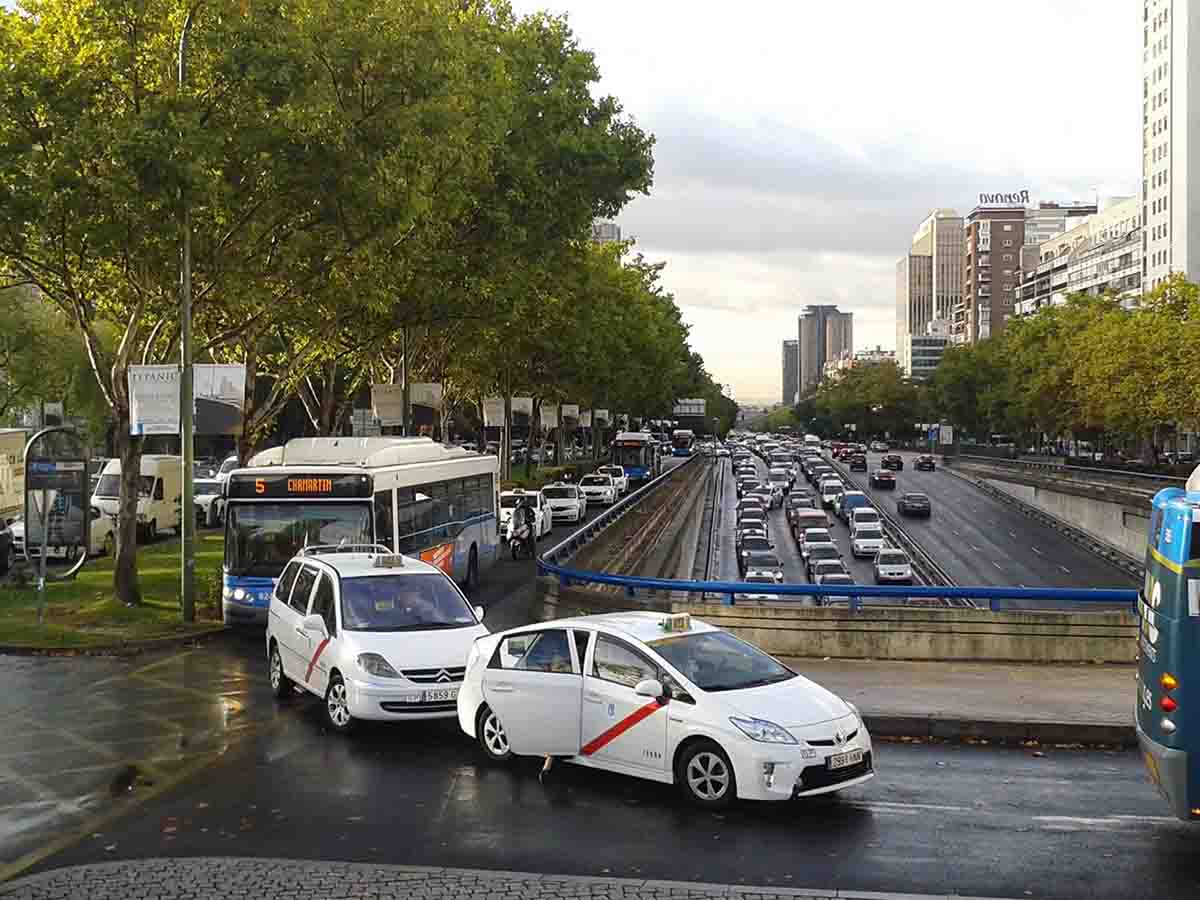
<point x="521" y="542"/>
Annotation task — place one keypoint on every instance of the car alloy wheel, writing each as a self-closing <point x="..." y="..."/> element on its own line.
<point x="708" y="777"/>
<point x="281" y="685"/>
<point x="492" y="737"/>
<point x="337" y="705"/>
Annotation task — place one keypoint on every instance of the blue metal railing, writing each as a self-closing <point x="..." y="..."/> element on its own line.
<point x="854" y="594"/>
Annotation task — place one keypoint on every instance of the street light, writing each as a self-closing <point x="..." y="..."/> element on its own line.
<point x="187" y="425"/>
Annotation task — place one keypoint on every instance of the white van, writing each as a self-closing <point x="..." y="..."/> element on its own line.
<point x="160" y="497"/>
<point x="864" y="515"/>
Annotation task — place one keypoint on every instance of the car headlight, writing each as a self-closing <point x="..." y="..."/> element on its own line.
<point x="763" y="731"/>
<point x="374" y="664"/>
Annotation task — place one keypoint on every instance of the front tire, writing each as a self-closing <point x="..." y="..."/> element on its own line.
<point x="152" y="531"/>
<point x="281" y="685"/>
<point x="706" y="777"/>
<point x="5" y="560"/>
<point x="337" y="706"/>
<point x="492" y="738"/>
<point x="110" y="544"/>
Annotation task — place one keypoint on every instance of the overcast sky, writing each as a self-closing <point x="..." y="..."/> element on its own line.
<point x="801" y="143"/>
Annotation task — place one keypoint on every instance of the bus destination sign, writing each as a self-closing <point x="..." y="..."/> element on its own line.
<point x="294" y="485"/>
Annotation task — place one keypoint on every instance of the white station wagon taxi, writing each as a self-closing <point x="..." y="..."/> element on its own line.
<point x="662" y="697"/>
<point x="375" y="634"/>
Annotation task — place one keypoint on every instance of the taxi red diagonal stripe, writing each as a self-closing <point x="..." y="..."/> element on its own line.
<point x="312" y="663"/>
<point x="620" y="728"/>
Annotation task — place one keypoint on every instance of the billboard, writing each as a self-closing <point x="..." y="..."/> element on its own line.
<point x="493" y="412"/>
<point x="522" y="406"/>
<point x="218" y="392"/>
<point x="62" y="485"/>
<point x="387" y="403"/>
<point x="692" y="407"/>
<point x="570" y="410"/>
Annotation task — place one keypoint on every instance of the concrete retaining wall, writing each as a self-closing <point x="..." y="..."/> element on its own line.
<point x="917" y="634"/>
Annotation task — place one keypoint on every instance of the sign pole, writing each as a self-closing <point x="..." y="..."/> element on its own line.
<point x="187" y="394"/>
<point x="42" y="561"/>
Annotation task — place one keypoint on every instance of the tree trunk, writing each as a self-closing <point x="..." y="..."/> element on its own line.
<point x="559" y="448"/>
<point x="126" y="586"/>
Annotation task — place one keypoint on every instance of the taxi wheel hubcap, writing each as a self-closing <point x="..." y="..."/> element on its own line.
<point x="708" y="776"/>
<point x="494" y="736"/>
<point x="337" y="705"/>
<point x="275" y="669"/>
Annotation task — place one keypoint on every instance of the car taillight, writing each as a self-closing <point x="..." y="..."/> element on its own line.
<point x="1168" y="704"/>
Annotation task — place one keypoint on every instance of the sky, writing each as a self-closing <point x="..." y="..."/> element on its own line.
<point x="800" y="144"/>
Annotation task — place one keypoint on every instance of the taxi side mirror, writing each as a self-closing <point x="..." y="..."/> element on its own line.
<point x="479" y="613"/>
<point x="651" y="687"/>
<point x="313" y="623"/>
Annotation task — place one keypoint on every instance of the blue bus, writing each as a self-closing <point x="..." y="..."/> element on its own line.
<point x="1168" y="661"/>
<point x="637" y="453"/>
<point x="411" y="495"/>
<point x="683" y="442"/>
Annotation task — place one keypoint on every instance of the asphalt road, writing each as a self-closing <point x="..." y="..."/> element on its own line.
<point x="975" y="821"/>
<point x="980" y="541"/>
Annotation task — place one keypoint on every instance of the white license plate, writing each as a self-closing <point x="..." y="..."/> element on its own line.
<point x="440" y="695"/>
<point x="849" y="758"/>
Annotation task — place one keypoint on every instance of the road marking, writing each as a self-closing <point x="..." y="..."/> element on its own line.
<point x="1065" y="569"/>
<point x="976" y="549"/>
<point x="1037" y="551"/>
<point x="996" y="564"/>
<point x="1012" y="534"/>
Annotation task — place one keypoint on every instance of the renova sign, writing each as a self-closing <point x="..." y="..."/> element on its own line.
<point x="1020" y="198"/>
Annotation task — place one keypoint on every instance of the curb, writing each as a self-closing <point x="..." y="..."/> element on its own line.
<point x="126" y="648"/>
<point x="1088" y="734"/>
<point x="291" y="874"/>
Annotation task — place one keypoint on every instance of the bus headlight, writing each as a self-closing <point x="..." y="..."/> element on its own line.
<point x="239" y="594"/>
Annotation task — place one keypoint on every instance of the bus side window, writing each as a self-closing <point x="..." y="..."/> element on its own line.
<point x="1156" y="528"/>
<point x="383" y="519"/>
<point x="1194" y="545"/>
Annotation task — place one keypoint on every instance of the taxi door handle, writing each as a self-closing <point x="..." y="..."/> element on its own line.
<point x="592" y="698"/>
<point x="502" y="688"/>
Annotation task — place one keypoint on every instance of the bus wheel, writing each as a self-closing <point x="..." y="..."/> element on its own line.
<point x="472" y="583"/>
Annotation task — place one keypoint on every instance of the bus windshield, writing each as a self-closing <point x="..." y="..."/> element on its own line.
<point x="262" y="537"/>
<point x="630" y="456"/>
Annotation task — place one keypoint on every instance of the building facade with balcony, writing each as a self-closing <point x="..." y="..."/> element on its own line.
<point x="994" y="238"/>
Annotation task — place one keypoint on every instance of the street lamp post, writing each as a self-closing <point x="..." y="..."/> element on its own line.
<point x="187" y="425"/>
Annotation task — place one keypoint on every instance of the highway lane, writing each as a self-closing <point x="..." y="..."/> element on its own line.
<point x="980" y="541"/>
<point x="937" y="819"/>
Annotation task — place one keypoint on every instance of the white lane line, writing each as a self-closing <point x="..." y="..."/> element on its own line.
<point x="1012" y="534"/>
<point x="1020" y="585"/>
<point x="976" y="549"/>
<point x="1065" y="569"/>
<point x="1037" y="551"/>
<point x="996" y="564"/>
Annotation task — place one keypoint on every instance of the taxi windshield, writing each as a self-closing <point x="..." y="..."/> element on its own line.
<point x="403" y="602"/>
<point x="717" y="661"/>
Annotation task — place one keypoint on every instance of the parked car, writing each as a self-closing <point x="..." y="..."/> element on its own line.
<point x="160" y="491"/>
<point x="925" y="463"/>
<point x="914" y="504"/>
<point x="892" y="566"/>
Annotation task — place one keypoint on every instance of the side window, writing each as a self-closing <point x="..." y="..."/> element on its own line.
<point x="581" y="643"/>
<point x="1156" y="529"/>
<point x="614" y="661"/>
<point x="304" y="584"/>
<point x="539" y="651"/>
<point x="322" y="604"/>
<point x="286" y="580"/>
<point x="158" y="489"/>
<point x="383" y="519"/>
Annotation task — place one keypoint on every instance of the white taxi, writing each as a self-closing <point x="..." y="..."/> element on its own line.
<point x="565" y="501"/>
<point x="599" y="489"/>
<point x="668" y="698"/>
<point x="375" y="634"/>
<point x="617" y="474"/>
<point x="543" y="520"/>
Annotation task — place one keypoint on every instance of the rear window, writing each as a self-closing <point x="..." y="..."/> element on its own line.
<point x="868" y="534"/>
<point x="559" y="493"/>
<point x="763" y="560"/>
<point x="817" y="535"/>
<point x="595" y="479"/>
<point x="822" y="552"/>
<point x="866" y="515"/>
<point x="892" y="558"/>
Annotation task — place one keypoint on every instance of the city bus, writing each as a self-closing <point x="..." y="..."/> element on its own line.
<point x="1168" y="662"/>
<point x="410" y="495"/>
<point x="637" y="453"/>
<point x="683" y="442"/>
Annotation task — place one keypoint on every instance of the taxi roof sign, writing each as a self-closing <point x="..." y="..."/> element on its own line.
<point x="389" y="561"/>
<point x="677" y="622"/>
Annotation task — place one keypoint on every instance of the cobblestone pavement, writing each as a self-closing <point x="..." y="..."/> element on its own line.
<point x="220" y="878"/>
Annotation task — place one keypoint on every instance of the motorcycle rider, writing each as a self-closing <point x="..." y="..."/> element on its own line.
<point x="521" y="522"/>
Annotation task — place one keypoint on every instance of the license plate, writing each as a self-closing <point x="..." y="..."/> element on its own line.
<point x="440" y="695"/>
<point x="849" y="758"/>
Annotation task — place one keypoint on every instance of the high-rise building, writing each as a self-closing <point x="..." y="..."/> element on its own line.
<point x="791" y="372"/>
<point x="1051" y="219"/>
<point x="994" y="238"/>
<point x="825" y="333"/>
<point x="924" y="354"/>
<point x="914" y="301"/>
<point x="605" y="232"/>
<point x="1170" y="139"/>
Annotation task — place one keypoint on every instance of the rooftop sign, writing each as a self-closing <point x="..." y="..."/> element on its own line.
<point x="1020" y="198"/>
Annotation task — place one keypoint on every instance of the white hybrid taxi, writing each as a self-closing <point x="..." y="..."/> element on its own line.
<point x="668" y="698"/>
<point x="374" y="634"/>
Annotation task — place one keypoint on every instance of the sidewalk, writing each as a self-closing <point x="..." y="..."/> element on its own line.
<point x="994" y="701"/>
<point x="268" y="879"/>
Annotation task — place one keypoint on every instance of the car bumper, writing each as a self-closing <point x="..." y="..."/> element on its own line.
<point x="566" y="514"/>
<point x="1168" y="769"/>
<point x="234" y="613"/>
<point x="893" y="579"/>
<point x="399" y="703"/>
<point x="792" y="776"/>
<point x="859" y="552"/>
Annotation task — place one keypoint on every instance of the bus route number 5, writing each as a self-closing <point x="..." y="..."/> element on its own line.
<point x="260" y="486"/>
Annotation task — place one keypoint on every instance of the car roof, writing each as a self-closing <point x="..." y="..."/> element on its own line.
<point x="356" y="565"/>
<point x="641" y="625"/>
